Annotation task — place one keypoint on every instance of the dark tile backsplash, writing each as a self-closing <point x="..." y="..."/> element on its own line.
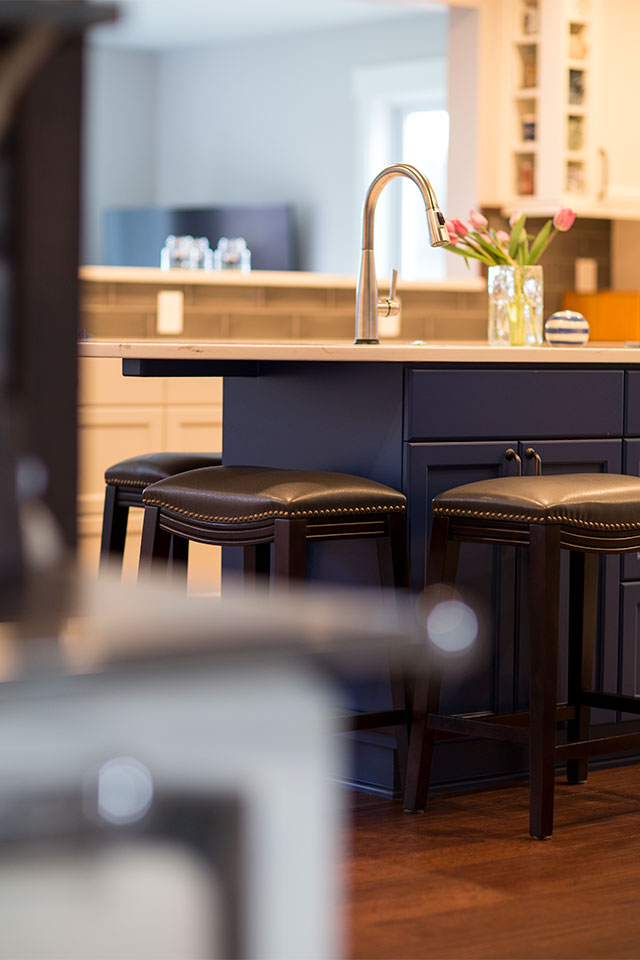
<point x="587" y="238"/>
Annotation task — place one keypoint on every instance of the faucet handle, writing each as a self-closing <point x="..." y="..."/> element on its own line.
<point x="394" y="284"/>
<point x="390" y="306"/>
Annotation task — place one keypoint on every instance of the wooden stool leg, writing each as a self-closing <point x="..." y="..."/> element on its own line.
<point x="544" y="549"/>
<point x="178" y="559"/>
<point x="256" y="564"/>
<point x="583" y="574"/>
<point x="289" y="550"/>
<point x="396" y="574"/>
<point x="155" y="545"/>
<point x="114" y="528"/>
<point x="441" y="569"/>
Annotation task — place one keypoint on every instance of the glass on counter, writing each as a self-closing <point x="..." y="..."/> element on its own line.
<point x="232" y="254"/>
<point x="189" y="253"/>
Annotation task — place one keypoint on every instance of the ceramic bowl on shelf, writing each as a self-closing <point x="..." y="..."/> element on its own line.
<point x="566" y="328"/>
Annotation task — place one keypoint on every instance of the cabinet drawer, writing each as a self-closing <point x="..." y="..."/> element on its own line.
<point x="100" y="382"/>
<point x="632" y="420"/>
<point x="481" y="404"/>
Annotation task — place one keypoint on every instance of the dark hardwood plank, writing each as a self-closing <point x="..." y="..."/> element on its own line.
<point x="465" y="880"/>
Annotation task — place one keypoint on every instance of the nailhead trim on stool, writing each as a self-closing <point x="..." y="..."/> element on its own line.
<point x="253" y="507"/>
<point x="587" y="514"/>
<point x="125" y="482"/>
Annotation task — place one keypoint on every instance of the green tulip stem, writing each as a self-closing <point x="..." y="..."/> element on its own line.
<point x="516" y="310"/>
<point x="544" y="246"/>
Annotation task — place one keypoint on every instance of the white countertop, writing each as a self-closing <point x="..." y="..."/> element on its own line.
<point x="466" y="351"/>
<point x="268" y="278"/>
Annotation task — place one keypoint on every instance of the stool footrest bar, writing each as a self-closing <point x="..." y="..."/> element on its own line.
<point x="585" y="748"/>
<point x="479" y="728"/>
<point x="610" y="701"/>
<point x="371" y="721"/>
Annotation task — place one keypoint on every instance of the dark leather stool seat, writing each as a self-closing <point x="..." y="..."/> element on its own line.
<point x="587" y="514"/>
<point x="126" y="481"/>
<point x="253" y="507"/>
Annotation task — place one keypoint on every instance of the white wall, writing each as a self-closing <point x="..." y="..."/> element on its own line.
<point x="119" y="138"/>
<point x="262" y="121"/>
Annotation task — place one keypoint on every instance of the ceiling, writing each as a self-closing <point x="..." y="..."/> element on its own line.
<point x="161" y="24"/>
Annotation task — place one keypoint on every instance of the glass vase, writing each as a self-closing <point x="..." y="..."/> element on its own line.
<point x="515" y="306"/>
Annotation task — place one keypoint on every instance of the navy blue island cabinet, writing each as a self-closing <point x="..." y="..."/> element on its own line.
<point x="424" y="426"/>
<point x="424" y="429"/>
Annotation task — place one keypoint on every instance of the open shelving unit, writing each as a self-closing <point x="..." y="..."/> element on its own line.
<point x="551" y="77"/>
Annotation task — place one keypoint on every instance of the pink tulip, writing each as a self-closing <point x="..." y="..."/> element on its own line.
<point x="513" y="219"/>
<point x="459" y="228"/>
<point x="477" y="221"/>
<point x="453" y="239"/>
<point x="503" y="236"/>
<point x="564" y="219"/>
<point x="450" y="227"/>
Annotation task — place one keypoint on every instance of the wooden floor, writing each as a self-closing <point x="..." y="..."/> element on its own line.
<point x="465" y="879"/>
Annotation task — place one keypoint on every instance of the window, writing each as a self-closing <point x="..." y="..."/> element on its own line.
<point x="402" y="115"/>
<point x="424" y="144"/>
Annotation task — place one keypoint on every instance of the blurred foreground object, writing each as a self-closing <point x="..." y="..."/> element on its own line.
<point x="170" y="769"/>
<point x="40" y="70"/>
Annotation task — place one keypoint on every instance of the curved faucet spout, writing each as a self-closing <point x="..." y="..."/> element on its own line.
<point x="367" y="305"/>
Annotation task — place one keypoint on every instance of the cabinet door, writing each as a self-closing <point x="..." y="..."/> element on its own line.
<point x="619" y="137"/>
<point x="630" y="644"/>
<point x="631" y="561"/>
<point x="486" y="575"/>
<point x="107" y="435"/>
<point x="197" y="428"/>
<point x="575" y="456"/>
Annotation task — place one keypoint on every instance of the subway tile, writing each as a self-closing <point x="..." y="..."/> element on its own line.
<point x="222" y="297"/>
<point x="323" y="327"/>
<point x="198" y="326"/>
<point x="255" y="327"/>
<point x="109" y="323"/>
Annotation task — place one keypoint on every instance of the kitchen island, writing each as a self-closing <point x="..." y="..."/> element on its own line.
<point x="423" y="418"/>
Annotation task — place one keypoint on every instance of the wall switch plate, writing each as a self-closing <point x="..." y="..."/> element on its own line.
<point x="170" y="311"/>
<point x="586" y="275"/>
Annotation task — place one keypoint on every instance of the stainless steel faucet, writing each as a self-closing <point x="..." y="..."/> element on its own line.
<point x="368" y="307"/>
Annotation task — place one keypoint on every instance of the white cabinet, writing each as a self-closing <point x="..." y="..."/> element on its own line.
<point x="618" y="139"/>
<point x="107" y="434"/>
<point x="568" y="136"/>
<point x="120" y="417"/>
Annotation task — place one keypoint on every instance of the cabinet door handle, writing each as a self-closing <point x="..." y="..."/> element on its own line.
<point x="510" y="454"/>
<point x="530" y="454"/>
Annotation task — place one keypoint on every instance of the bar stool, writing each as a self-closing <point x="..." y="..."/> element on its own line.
<point x="253" y="507"/>
<point x="587" y="514"/>
<point x="125" y="482"/>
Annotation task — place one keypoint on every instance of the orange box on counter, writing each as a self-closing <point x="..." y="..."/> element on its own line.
<point x="612" y="314"/>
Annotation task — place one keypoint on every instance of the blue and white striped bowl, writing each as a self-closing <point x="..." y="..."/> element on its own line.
<point x="566" y="329"/>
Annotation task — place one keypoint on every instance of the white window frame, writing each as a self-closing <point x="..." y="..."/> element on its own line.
<point x="379" y="93"/>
